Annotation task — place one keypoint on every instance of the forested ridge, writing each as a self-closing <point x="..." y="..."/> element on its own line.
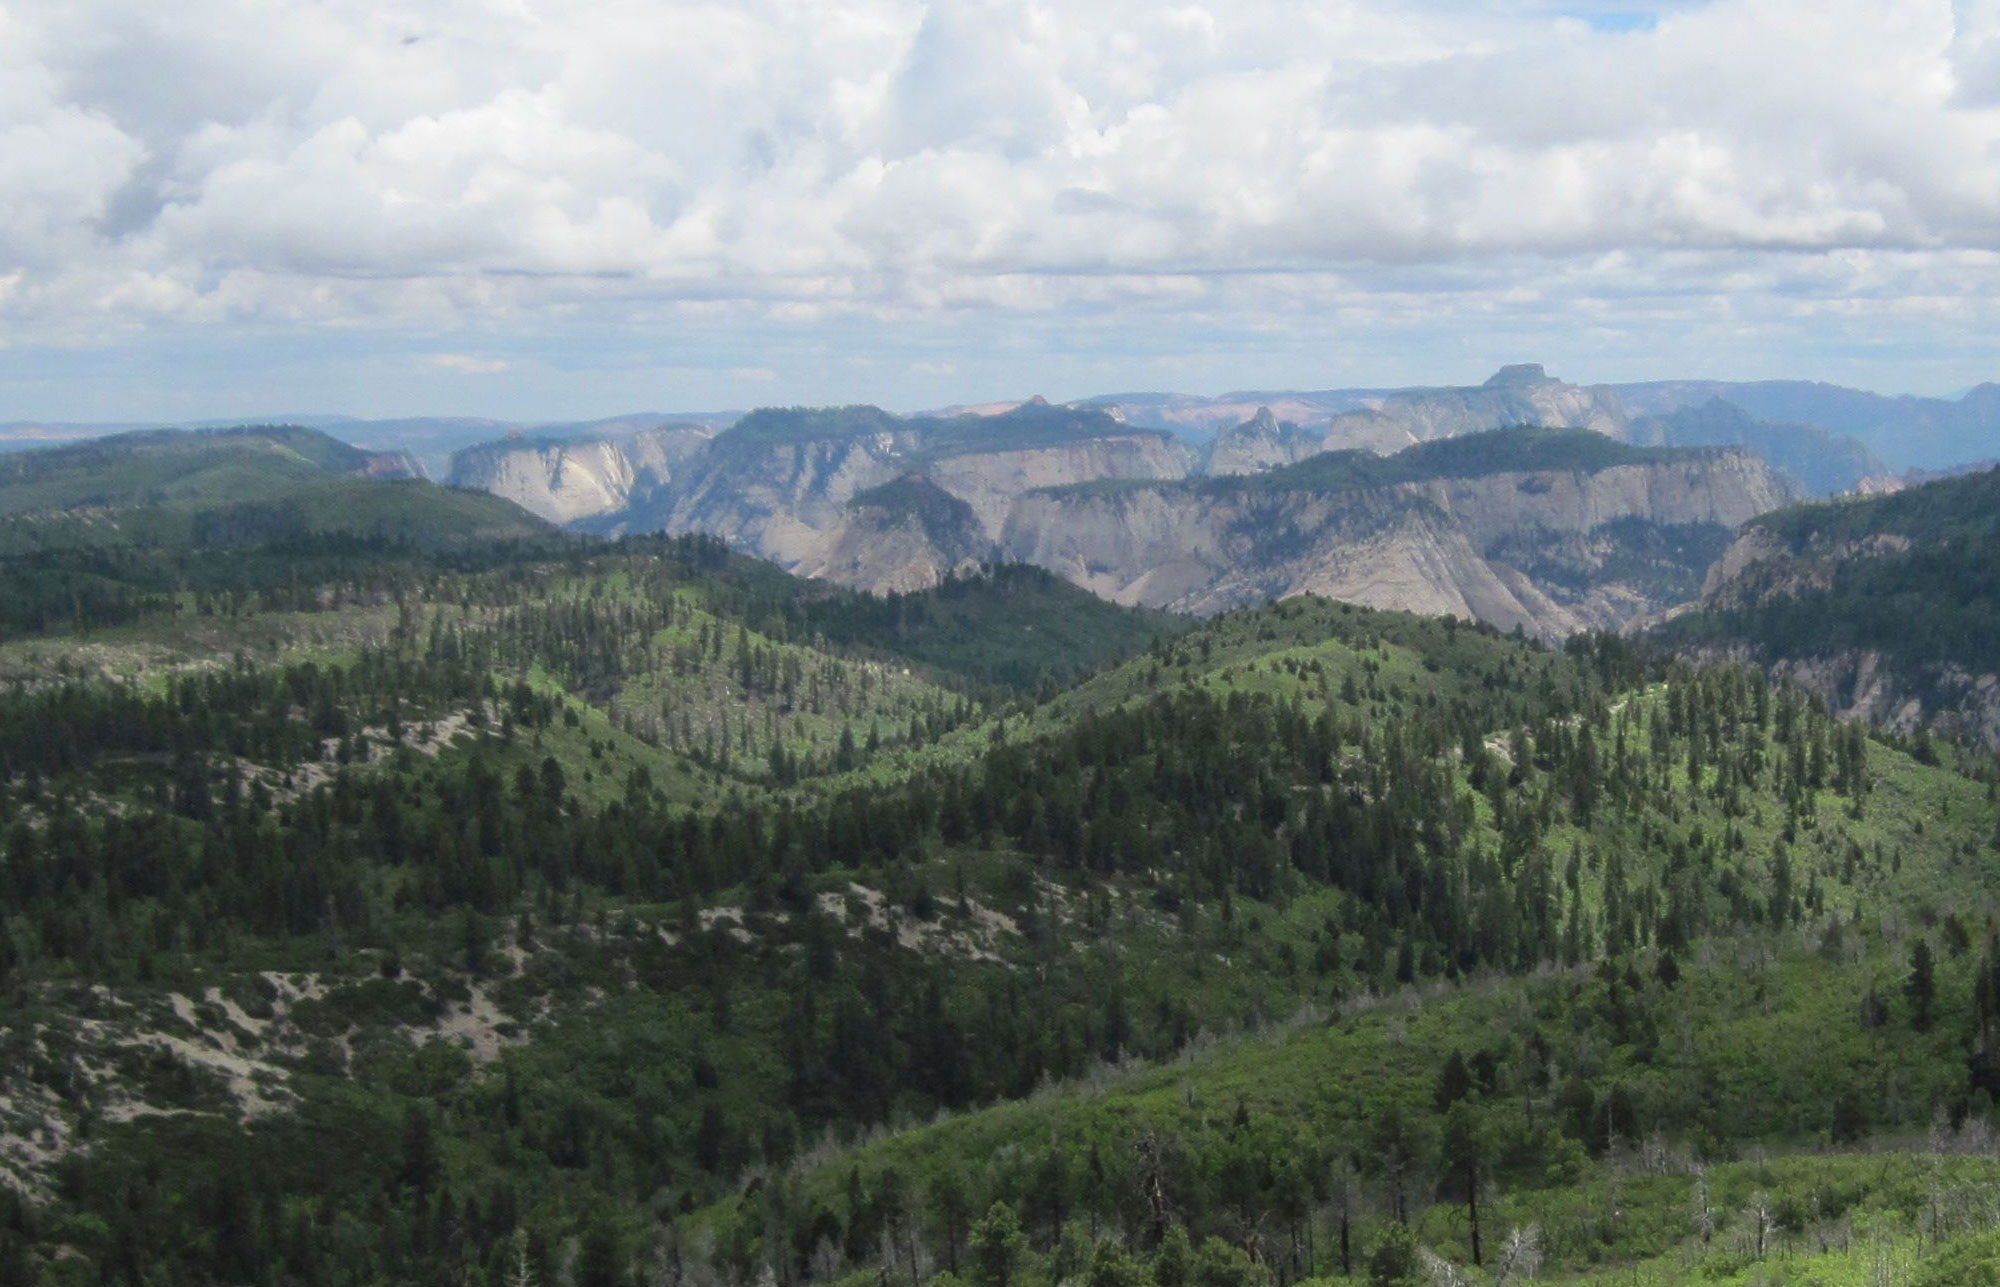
<point x="403" y="911"/>
<point x="1912" y="574"/>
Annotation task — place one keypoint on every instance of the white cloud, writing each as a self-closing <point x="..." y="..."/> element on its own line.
<point x="425" y="163"/>
<point x="470" y="364"/>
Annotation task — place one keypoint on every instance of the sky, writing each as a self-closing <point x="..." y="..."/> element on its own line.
<point x="534" y="211"/>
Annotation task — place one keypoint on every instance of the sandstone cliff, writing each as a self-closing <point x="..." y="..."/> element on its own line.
<point x="789" y="485"/>
<point x="1444" y="544"/>
<point x="1259" y="443"/>
<point x="567" y="480"/>
<point x="908" y="534"/>
<point x="390" y="464"/>
<point x="1552" y="530"/>
<point x="1514" y="395"/>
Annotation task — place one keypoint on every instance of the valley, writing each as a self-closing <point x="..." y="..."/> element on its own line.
<point x="634" y="910"/>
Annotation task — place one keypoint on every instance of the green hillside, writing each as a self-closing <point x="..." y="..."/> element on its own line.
<point x="109" y="532"/>
<point x="1011" y="626"/>
<point x="171" y="467"/>
<point x="208" y="488"/>
<point x="635" y="912"/>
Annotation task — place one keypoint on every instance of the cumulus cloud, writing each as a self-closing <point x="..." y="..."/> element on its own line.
<point x="425" y="162"/>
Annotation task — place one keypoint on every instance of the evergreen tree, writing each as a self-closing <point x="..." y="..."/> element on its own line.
<point x="1920" y="988"/>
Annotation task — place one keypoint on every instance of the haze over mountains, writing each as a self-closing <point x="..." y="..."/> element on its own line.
<point x="1524" y="502"/>
<point x="1137" y="502"/>
<point x="1900" y="432"/>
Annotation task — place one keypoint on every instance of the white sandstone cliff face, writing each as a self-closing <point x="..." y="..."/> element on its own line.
<point x="1208" y="554"/>
<point x="1515" y="396"/>
<point x="1146" y="534"/>
<point x="1729" y="488"/>
<point x="792" y="504"/>
<point x="561" y="483"/>
<point x="1260" y="443"/>
<point x="567" y="481"/>
<point x="1415" y="546"/>
<point x="992" y="481"/>
<point x="891" y="554"/>
<point x="782" y="502"/>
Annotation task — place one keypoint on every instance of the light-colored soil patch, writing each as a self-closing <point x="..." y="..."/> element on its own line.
<point x="477" y="1026"/>
<point x="977" y="941"/>
<point x="34" y="1135"/>
<point x="426" y="738"/>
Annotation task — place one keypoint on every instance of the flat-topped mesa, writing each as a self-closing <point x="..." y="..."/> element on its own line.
<point x="1515" y="373"/>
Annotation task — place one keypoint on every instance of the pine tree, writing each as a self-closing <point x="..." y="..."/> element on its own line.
<point x="1462" y="1155"/>
<point x="1920" y="988"/>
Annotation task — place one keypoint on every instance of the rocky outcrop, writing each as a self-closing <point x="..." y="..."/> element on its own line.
<point x="990" y="481"/>
<point x="790" y="486"/>
<point x="1868" y="685"/>
<point x="1514" y="395"/>
<point x="1207" y="552"/>
<point x="1259" y="443"/>
<point x="567" y="480"/>
<point x="390" y="464"/>
<point x="1724" y="487"/>
<point x="1426" y="545"/>
<point x="908" y="534"/>
<point x="1876" y="688"/>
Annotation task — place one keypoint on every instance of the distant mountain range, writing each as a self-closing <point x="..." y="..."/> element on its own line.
<point x="1901" y="432"/>
<point x="1906" y="432"/>
<point x="1523" y="501"/>
<point x="1685" y="522"/>
<point x="1548" y="528"/>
